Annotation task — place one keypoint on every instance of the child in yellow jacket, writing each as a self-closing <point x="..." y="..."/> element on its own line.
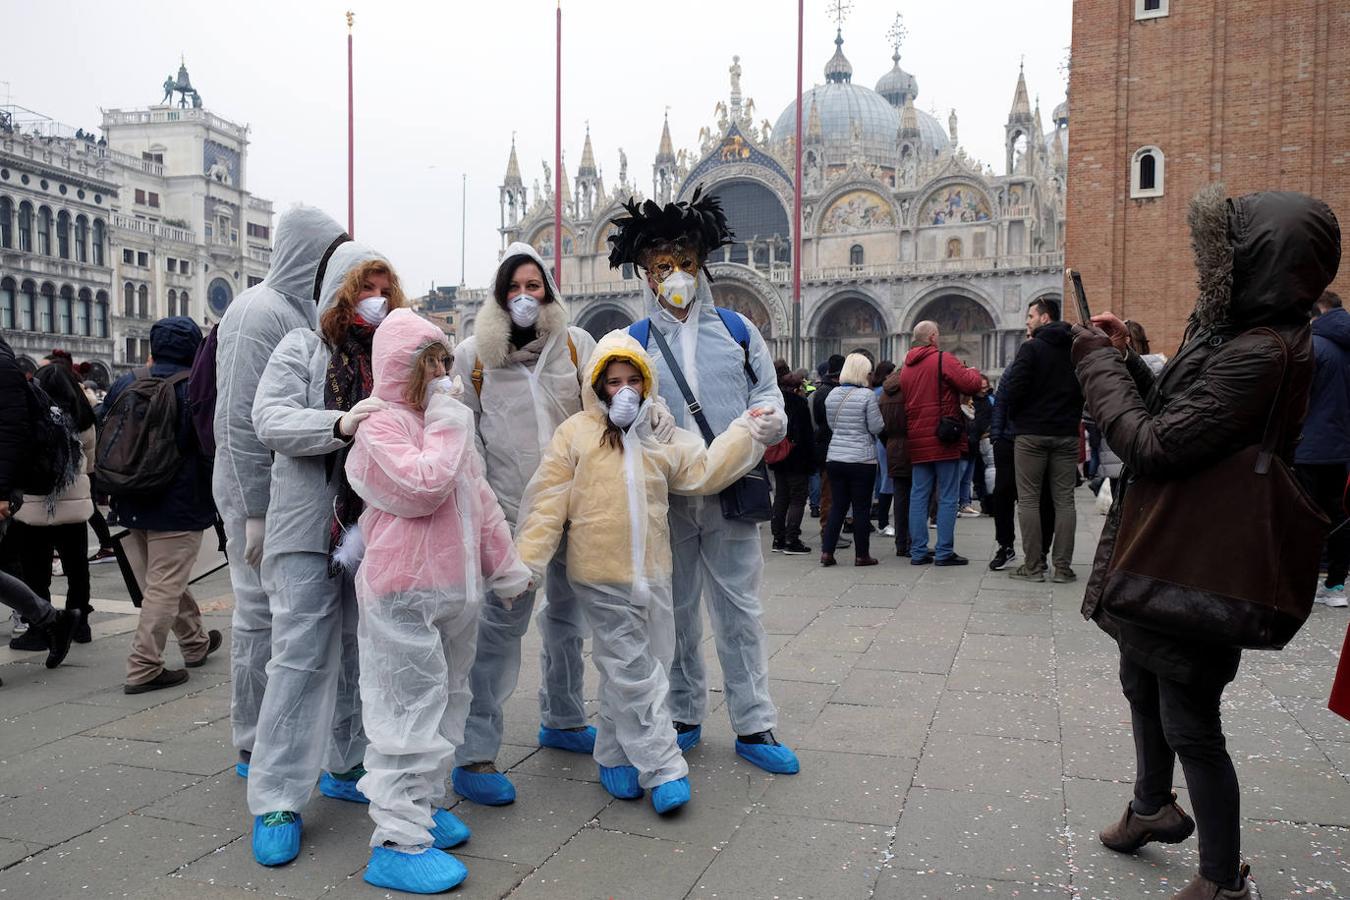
<point x="607" y="480"/>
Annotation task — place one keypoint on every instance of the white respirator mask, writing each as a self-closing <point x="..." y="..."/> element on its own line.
<point x="623" y="407"/>
<point x="524" y="310"/>
<point x="678" y="289"/>
<point x="373" y="310"/>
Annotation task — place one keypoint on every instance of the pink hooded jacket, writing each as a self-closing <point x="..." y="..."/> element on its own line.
<point x="431" y="522"/>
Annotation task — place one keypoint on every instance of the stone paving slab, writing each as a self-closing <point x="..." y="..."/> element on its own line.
<point x="961" y="734"/>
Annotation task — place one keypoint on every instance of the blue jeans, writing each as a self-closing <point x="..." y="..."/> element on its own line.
<point x="813" y="490"/>
<point x="967" y="474"/>
<point x="944" y="475"/>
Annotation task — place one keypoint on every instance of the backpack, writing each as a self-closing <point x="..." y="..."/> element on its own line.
<point x="201" y="393"/>
<point x="734" y="324"/>
<point x="476" y="377"/>
<point x="138" y="449"/>
<point x="54" y="461"/>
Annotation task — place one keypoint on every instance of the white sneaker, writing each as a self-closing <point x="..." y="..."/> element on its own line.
<point x="888" y="531"/>
<point x="1332" y="596"/>
<point x="18" y="625"/>
<point x="967" y="512"/>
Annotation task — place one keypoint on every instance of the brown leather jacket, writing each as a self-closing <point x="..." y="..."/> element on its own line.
<point x="1263" y="260"/>
<point x="895" y="427"/>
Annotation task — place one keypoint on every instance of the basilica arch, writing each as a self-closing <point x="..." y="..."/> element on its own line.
<point x="600" y="318"/>
<point x="965" y="319"/>
<point x="850" y="320"/>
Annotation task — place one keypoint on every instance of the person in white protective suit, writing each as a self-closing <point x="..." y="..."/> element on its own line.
<point x="522" y="371"/>
<point x="313" y="396"/>
<point x="606" y="480"/>
<point x="728" y="370"/>
<point x="435" y="540"/>
<point x="253" y="325"/>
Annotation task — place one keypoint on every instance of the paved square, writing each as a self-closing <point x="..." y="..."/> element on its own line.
<point x="960" y="734"/>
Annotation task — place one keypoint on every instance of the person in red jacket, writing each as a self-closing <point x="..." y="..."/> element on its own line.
<point x="928" y="400"/>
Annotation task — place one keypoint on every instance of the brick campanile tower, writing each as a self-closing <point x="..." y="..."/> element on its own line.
<point x="1169" y="95"/>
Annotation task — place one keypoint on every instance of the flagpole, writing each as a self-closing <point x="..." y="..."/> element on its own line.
<point x="557" y="159"/>
<point x="351" y="137"/>
<point x="797" y="209"/>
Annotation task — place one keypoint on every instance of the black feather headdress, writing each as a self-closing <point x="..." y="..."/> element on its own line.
<point x="698" y="222"/>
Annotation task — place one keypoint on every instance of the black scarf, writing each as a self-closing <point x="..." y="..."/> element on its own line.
<point x="348" y="381"/>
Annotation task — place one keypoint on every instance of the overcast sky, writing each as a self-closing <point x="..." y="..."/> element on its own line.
<point x="441" y="86"/>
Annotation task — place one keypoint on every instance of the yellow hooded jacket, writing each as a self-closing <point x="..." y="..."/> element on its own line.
<point x="616" y="500"/>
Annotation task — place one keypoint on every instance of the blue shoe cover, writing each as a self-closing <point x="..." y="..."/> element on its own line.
<point x="341" y="789"/>
<point x="486" y="788"/>
<point x="571" y="741"/>
<point x="276" y="838"/>
<point x="621" y="781"/>
<point x="775" y="758"/>
<point x="241" y="769"/>
<point x="430" y="871"/>
<point x="671" y="795"/>
<point x="448" y="831"/>
<point x="689" y="740"/>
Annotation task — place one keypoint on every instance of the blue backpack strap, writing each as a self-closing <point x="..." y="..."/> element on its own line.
<point x="735" y="325"/>
<point x="640" y="331"/>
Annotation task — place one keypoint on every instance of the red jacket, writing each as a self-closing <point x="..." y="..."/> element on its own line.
<point x="918" y="383"/>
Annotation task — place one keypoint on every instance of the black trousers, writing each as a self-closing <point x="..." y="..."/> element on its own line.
<point x="900" y="503"/>
<point x="1175" y="719"/>
<point x="1004" y="499"/>
<point x="1326" y="484"/>
<point x="789" y="505"/>
<point x="35" y="545"/>
<point x="850" y="486"/>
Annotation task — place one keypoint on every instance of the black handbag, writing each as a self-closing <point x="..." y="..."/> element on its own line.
<point x="949" y="429"/>
<point x="749" y="499"/>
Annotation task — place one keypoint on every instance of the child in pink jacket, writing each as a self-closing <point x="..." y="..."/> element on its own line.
<point x="435" y="539"/>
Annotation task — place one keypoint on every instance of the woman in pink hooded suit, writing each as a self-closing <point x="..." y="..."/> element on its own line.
<point x="435" y="539"/>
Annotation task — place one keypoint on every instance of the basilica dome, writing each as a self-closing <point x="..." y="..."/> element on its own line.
<point x="841" y="105"/>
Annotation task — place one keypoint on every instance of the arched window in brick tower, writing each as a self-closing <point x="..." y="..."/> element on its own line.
<point x="1146" y="173"/>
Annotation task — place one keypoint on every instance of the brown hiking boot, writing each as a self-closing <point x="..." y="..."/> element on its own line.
<point x="1201" y="888"/>
<point x="1170" y="825"/>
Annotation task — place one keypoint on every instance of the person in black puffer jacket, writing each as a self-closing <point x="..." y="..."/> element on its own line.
<point x="823" y="432"/>
<point x="792" y="475"/>
<point x="1045" y="401"/>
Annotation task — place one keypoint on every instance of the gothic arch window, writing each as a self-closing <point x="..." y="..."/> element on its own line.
<point x="101" y="314"/>
<point x="100" y="241"/>
<point x="84" y="309"/>
<point x="26" y="227"/>
<point x="143" y="302"/>
<point x="128" y="300"/>
<point x="9" y="304"/>
<point x="754" y="213"/>
<point x="81" y="239"/>
<point x="855" y="256"/>
<point x="27" y="306"/>
<point x="1146" y="173"/>
<point x="44" y="231"/>
<point x="65" y="309"/>
<point x="63" y="234"/>
<point x="173" y="303"/>
<point x="183" y="308"/>
<point x="47" y="309"/>
<point x="6" y="222"/>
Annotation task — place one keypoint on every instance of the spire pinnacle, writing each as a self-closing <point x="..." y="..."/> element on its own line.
<point x="666" y="151"/>
<point x="1021" y="105"/>
<point x="513" y="166"/>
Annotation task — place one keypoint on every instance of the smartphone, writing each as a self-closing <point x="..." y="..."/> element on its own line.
<point x="1084" y="314"/>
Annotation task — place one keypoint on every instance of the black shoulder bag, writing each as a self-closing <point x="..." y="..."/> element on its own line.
<point x="747" y="500"/>
<point x="949" y="429"/>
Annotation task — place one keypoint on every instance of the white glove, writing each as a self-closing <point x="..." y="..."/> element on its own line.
<point x="767" y="429"/>
<point x="357" y="414"/>
<point x="253" y="541"/>
<point x="663" y="422"/>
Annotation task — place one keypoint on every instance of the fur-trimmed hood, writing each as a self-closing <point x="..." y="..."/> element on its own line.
<point x="1261" y="258"/>
<point x="493" y="327"/>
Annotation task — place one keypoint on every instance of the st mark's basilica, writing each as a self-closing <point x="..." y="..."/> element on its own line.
<point x="899" y="224"/>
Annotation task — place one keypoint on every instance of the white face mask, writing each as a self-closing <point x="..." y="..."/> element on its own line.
<point x="453" y="387"/>
<point x="623" y="407"/>
<point x="524" y="310"/>
<point x="373" y="309"/>
<point x="678" y="289"/>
